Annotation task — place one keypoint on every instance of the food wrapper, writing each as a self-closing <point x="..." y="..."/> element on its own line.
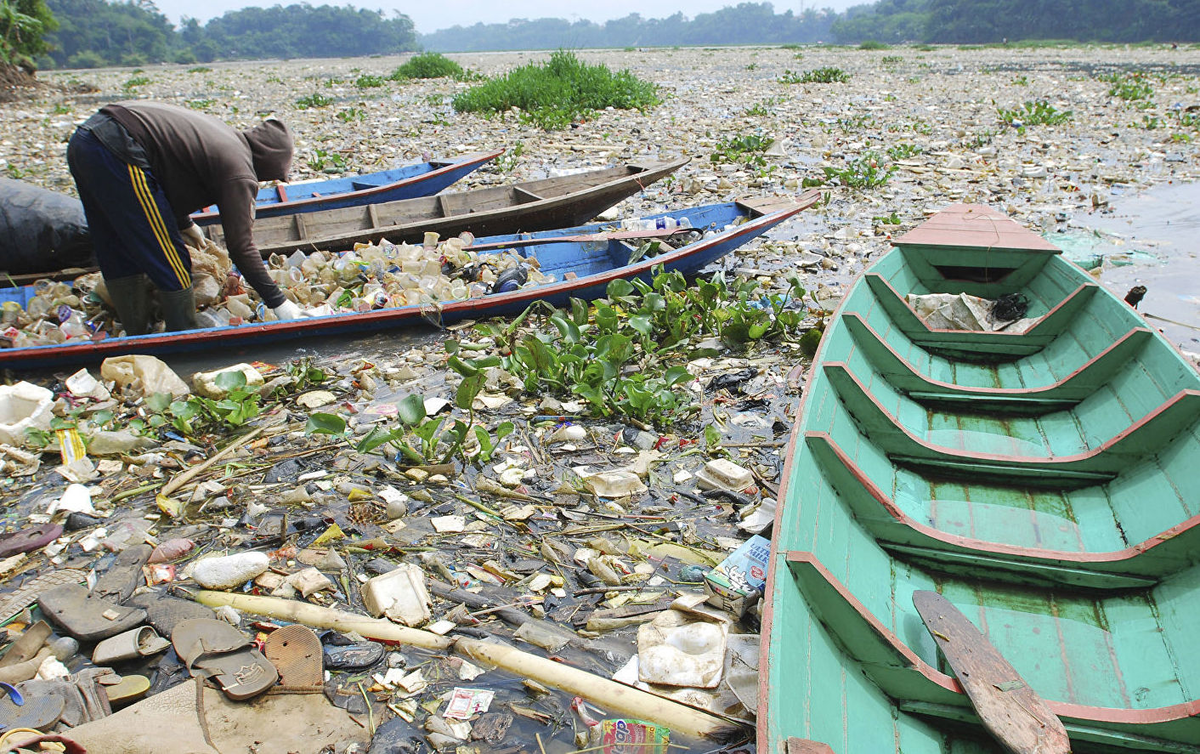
<point x="621" y="736"/>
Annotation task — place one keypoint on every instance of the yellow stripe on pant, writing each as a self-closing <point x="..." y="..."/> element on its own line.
<point x="150" y="207"/>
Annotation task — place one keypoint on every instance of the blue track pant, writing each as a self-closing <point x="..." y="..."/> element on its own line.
<point x="132" y="225"/>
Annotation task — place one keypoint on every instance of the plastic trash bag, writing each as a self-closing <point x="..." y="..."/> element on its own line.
<point x="40" y="230"/>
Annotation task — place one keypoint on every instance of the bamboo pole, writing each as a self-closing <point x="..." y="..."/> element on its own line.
<point x="316" y="616"/>
<point x="615" y="698"/>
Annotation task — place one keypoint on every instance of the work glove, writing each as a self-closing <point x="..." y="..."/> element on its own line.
<point x="193" y="236"/>
<point x="287" y="310"/>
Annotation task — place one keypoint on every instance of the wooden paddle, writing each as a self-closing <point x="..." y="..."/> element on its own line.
<point x="1011" y="711"/>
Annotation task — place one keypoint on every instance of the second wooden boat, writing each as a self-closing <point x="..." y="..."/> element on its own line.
<point x="1041" y="480"/>
<point x="530" y="206"/>
<point x="405" y="182"/>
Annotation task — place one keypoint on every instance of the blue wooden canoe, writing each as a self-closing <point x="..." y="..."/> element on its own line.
<point x="407" y="182"/>
<point x="582" y="259"/>
<point x="1042" y="481"/>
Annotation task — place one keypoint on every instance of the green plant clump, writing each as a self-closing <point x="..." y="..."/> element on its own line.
<point x="866" y="171"/>
<point x="1131" y="87"/>
<point x="428" y="65"/>
<point x="369" y="81"/>
<point x="314" y="100"/>
<point x="626" y="355"/>
<point x="134" y="82"/>
<point x="553" y="94"/>
<point x="903" y="151"/>
<point x="1039" y="113"/>
<point x="747" y="150"/>
<point x="872" y="44"/>
<point x="826" y="75"/>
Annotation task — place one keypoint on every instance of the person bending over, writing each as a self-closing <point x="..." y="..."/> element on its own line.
<point x="142" y="168"/>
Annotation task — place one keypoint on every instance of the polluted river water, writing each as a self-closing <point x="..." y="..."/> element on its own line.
<point x="1111" y="182"/>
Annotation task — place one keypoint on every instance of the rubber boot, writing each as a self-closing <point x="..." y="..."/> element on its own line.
<point x="178" y="309"/>
<point x="132" y="302"/>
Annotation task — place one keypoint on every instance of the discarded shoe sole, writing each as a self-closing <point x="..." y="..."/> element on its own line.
<point x="126" y="691"/>
<point x="139" y="642"/>
<point x="353" y="656"/>
<point x="295" y="651"/>
<point x="125" y="573"/>
<point x="216" y="649"/>
<point x="28" y="539"/>
<point x="85" y="616"/>
<point x="164" y="612"/>
<point x="27" y="644"/>
<point x="28" y="593"/>
<point x="37" y="711"/>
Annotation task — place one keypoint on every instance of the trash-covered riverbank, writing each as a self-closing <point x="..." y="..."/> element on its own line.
<point x="512" y="480"/>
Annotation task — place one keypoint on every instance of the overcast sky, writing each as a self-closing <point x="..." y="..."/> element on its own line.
<point x="439" y="15"/>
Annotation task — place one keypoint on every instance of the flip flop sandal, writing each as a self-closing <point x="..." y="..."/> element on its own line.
<point x="27" y="644"/>
<point x="25" y="540"/>
<point x="131" y="645"/>
<point x="127" y="690"/>
<point x="85" y="616"/>
<point x="217" y="650"/>
<point x="37" y="711"/>
<point x="28" y="593"/>
<point x="125" y="573"/>
<point x="295" y="651"/>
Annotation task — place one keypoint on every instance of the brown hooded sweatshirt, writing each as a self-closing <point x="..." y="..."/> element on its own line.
<point x="199" y="160"/>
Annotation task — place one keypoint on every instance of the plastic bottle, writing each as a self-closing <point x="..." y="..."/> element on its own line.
<point x="10" y="312"/>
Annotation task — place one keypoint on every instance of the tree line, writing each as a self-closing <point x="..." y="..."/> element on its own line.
<point x="93" y="33"/>
<point x="994" y="21"/>
<point x="745" y="23"/>
<point x="890" y="21"/>
<point x="90" y="33"/>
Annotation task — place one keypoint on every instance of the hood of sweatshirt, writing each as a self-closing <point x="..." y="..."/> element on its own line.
<point x="271" y="145"/>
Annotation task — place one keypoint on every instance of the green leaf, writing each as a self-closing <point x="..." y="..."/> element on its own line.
<point x="568" y="328"/>
<point x="183" y="409"/>
<point x="579" y="311"/>
<point x="504" y="430"/>
<point x="231" y="380"/>
<point x="411" y="410"/>
<point x="642" y="323"/>
<point x="758" y="330"/>
<point x="468" y="389"/>
<point x="377" y="437"/>
<point x="654" y="302"/>
<point x="712" y="437"/>
<point x="676" y="374"/>
<point x="606" y="317"/>
<point x="486" y="448"/>
<point x="486" y="362"/>
<point x="462" y="367"/>
<point x="158" y="402"/>
<point x="102" y="417"/>
<point x="325" y="424"/>
<point x="452" y="347"/>
<point x="619" y="288"/>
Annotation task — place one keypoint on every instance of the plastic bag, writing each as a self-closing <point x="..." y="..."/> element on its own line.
<point x="40" y="230"/>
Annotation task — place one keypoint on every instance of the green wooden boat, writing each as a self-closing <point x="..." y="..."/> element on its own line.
<point x="1041" y="480"/>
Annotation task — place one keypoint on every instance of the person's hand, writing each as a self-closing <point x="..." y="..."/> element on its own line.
<point x="193" y="236"/>
<point x="287" y="310"/>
